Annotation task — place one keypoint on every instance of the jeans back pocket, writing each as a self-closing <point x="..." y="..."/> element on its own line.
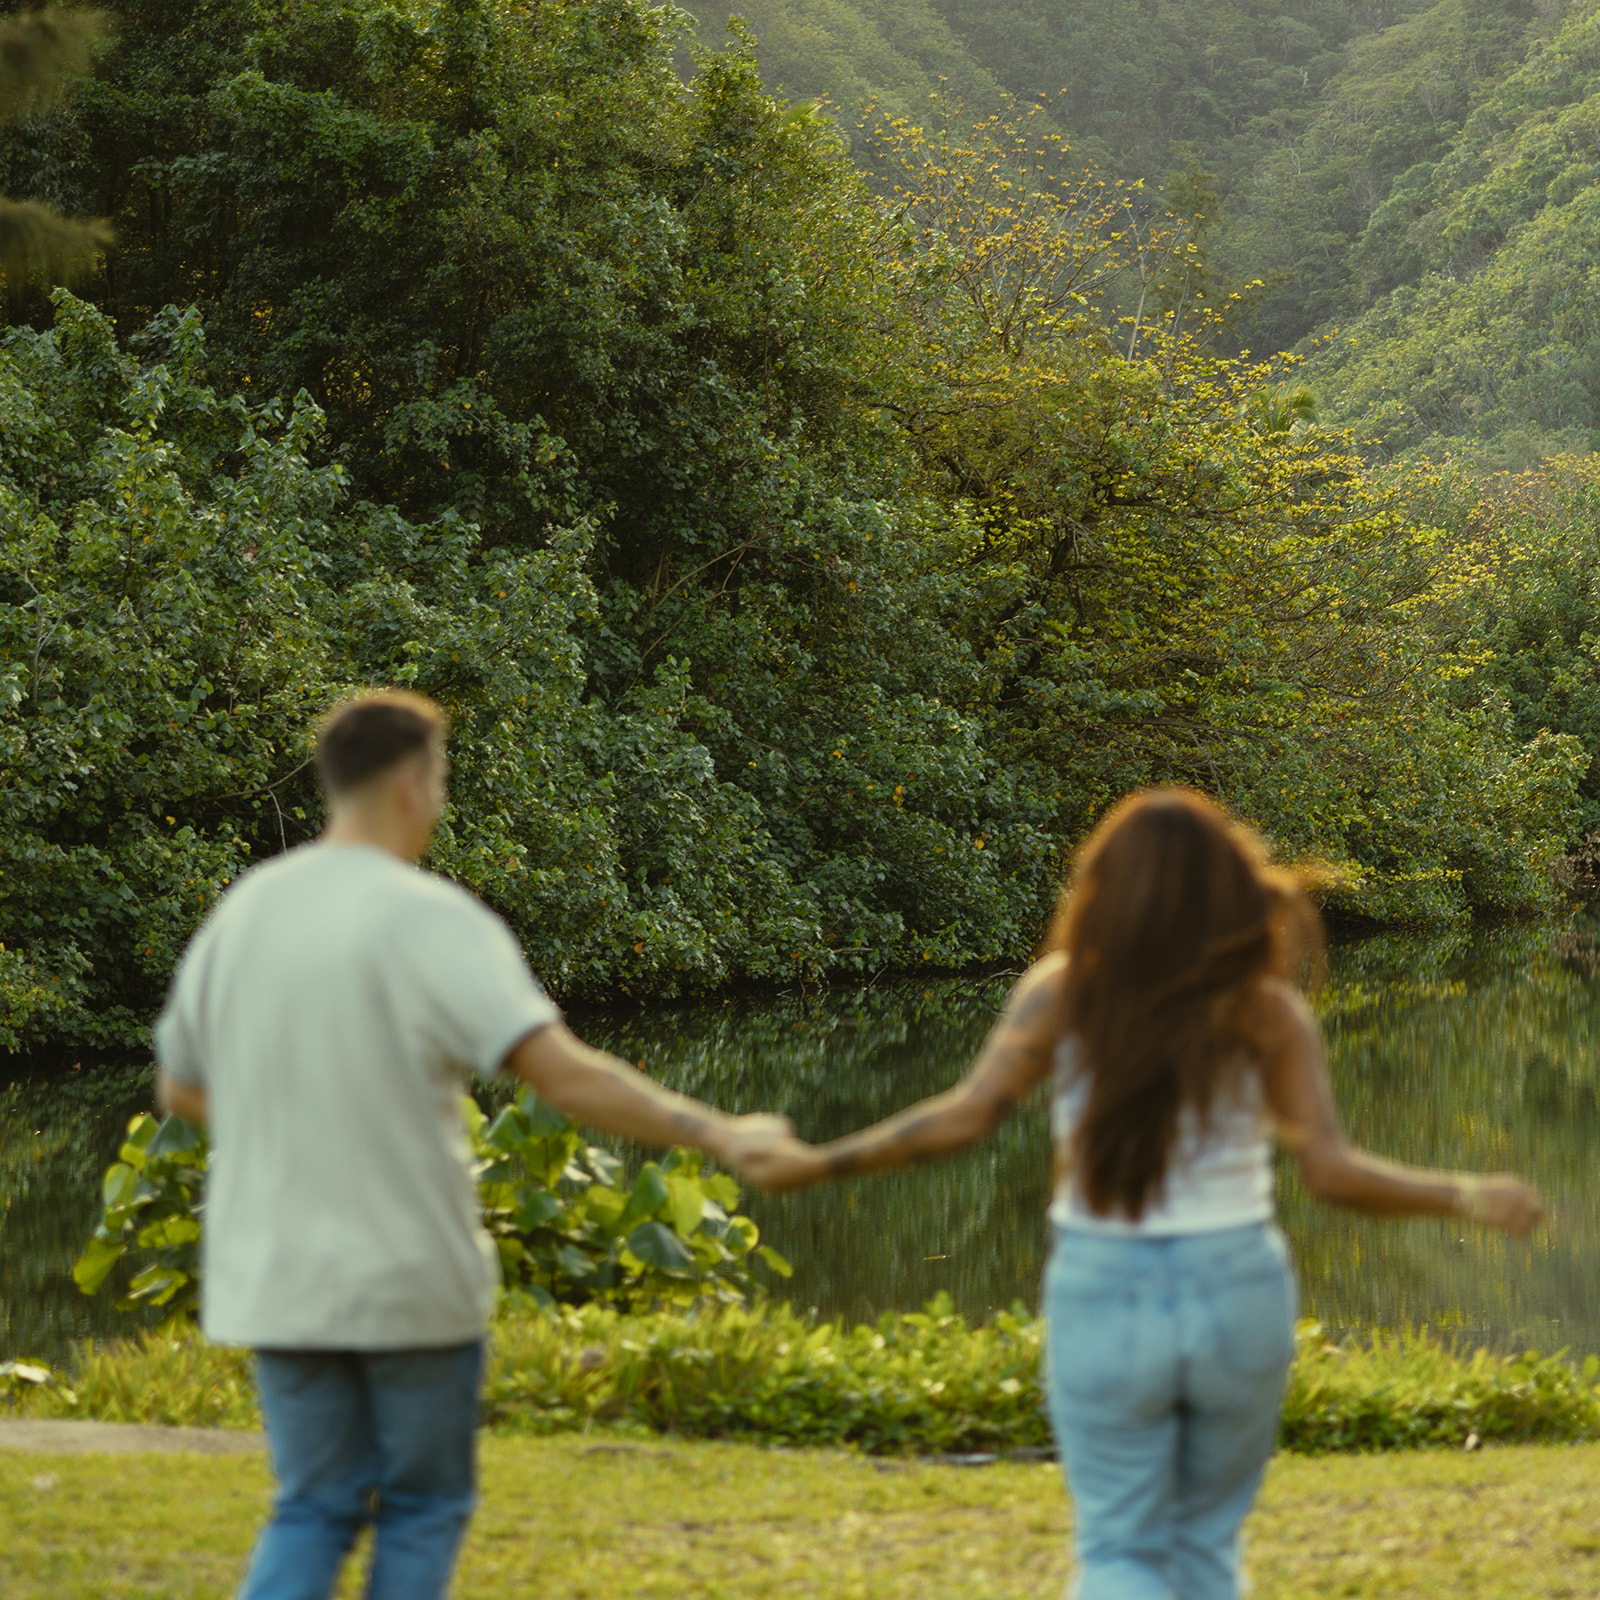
<point x="1252" y="1321"/>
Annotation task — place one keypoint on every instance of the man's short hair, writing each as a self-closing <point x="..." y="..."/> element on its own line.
<point x="369" y="734"/>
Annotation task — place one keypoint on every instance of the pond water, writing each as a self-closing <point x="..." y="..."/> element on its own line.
<point x="1473" y="1051"/>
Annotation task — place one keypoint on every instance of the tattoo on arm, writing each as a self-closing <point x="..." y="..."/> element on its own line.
<point x="689" y="1124"/>
<point x="1002" y="1108"/>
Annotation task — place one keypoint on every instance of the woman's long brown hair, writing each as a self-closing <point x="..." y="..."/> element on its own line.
<point x="1172" y="916"/>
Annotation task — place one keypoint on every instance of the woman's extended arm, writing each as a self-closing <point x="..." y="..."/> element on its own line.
<point x="1337" y="1171"/>
<point x="1015" y="1057"/>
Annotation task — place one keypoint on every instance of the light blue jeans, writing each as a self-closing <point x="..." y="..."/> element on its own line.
<point x="384" y="1437"/>
<point x="1165" y="1369"/>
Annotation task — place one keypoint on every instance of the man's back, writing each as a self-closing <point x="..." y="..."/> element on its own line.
<point x="332" y="1008"/>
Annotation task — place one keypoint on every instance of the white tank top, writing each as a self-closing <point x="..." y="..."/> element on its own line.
<point x="1219" y="1176"/>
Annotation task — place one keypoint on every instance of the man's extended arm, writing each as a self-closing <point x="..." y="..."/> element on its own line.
<point x="608" y="1094"/>
<point x="176" y="1098"/>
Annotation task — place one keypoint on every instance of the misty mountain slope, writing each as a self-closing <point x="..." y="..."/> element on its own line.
<point x="1487" y="328"/>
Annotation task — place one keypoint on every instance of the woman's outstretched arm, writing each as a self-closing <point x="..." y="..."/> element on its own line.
<point x="1341" y="1173"/>
<point x="1014" y="1059"/>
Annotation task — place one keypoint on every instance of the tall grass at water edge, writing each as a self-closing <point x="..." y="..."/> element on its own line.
<point x="915" y="1382"/>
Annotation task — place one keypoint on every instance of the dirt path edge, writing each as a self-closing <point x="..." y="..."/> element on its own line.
<point x="66" y="1437"/>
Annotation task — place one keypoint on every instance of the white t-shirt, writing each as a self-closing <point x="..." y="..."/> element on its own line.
<point x="332" y="1007"/>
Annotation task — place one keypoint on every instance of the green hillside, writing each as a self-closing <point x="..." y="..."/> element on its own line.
<point x="1415" y="174"/>
<point x="1490" y="326"/>
<point x="894" y="53"/>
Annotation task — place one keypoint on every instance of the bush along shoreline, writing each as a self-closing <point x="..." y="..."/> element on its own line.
<point x="913" y="1383"/>
<point x="632" y="1305"/>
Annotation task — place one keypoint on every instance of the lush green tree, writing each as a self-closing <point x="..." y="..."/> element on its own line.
<point x="1188" y="577"/>
<point x="1528" y="622"/>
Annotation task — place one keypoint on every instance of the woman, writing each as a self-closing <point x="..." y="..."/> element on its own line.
<point x="1165" y="1009"/>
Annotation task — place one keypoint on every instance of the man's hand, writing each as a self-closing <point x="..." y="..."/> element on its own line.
<point x="176" y="1098"/>
<point x="776" y="1162"/>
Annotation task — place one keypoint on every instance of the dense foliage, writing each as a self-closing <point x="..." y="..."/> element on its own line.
<point x="913" y="1382"/>
<point x="804" y="564"/>
<point x="569" y="1230"/>
<point x="43" y="52"/>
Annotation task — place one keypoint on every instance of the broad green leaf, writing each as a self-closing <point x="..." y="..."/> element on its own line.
<point x="605" y="1206"/>
<point x="99" y="1257"/>
<point x="169" y="1231"/>
<point x="648" y="1197"/>
<point x="508" y="1131"/>
<point x="657" y="1245"/>
<point x="775" y="1261"/>
<point x="156" y="1285"/>
<point x="606" y="1166"/>
<point x="121" y="1182"/>
<point x="685" y="1203"/>
<point x="574" y="1262"/>
<point x="142" y="1129"/>
<point x="543" y="1120"/>
<point x="537" y="1208"/>
<point x="174" y="1136"/>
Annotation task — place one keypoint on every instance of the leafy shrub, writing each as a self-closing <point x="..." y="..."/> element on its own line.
<point x="570" y="1230"/>
<point x="164" y="1375"/>
<point x="913" y="1381"/>
<point x="567" y="1228"/>
<point x="920" y="1380"/>
<point x="1402" y="1391"/>
<point x="153" y="1202"/>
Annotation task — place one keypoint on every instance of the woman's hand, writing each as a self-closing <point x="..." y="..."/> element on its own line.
<point x="1499" y="1200"/>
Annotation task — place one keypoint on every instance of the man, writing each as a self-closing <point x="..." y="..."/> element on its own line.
<point x="323" y="1022"/>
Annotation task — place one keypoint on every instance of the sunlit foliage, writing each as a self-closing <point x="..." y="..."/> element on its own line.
<point x="805" y="562"/>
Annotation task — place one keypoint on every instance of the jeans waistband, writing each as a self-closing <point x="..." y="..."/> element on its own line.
<point x="1257" y="1246"/>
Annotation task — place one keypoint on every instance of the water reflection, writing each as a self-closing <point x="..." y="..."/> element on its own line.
<point x="1463" y="1051"/>
<point x="57" y="1135"/>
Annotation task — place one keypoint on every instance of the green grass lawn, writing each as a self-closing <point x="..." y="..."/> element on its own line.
<point x="573" y="1518"/>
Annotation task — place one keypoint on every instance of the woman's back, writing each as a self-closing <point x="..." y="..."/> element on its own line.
<point x="1218" y="1172"/>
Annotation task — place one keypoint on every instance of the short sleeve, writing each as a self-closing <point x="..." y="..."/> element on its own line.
<point x="481" y="996"/>
<point x="177" y="1036"/>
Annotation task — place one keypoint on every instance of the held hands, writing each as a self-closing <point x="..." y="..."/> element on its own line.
<point x="1499" y="1200"/>
<point x="763" y="1150"/>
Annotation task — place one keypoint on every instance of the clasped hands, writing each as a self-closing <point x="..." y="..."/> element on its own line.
<point x="762" y="1149"/>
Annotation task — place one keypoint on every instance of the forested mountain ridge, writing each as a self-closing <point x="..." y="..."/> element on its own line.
<point x="1488" y="326"/>
<point x="1344" y="150"/>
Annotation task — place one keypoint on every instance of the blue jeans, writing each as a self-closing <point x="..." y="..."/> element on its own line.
<point x="382" y="1436"/>
<point x="1165" y="1369"/>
